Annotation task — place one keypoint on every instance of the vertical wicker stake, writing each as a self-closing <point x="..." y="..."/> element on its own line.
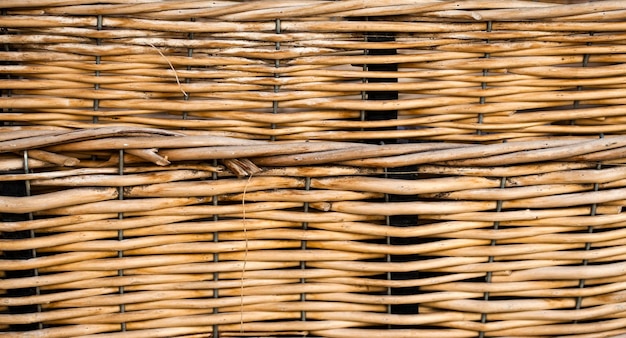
<point x="216" y="239"/>
<point x="482" y="100"/>
<point x="590" y="229"/>
<point x="488" y="277"/>
<point x="190" y="36"/>
<point x="120" y="233"/>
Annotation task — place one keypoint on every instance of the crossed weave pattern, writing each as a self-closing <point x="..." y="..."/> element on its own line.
<point x="312" y="168"/>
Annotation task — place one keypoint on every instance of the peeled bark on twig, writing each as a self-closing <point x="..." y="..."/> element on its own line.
<point x="58" y="159"/>
<point x="241" y="167"/>
<point x="149" y="154"/>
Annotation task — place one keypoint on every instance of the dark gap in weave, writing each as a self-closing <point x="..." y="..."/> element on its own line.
<point x="18" y="189"/>
<point x="96" y="86"/>
<point x="15" y="189"/>
<point x="5" y="92"/>
<point x="216" y="239"/>
<point x="393" y="173"/>
<point x="120" y="236"/>
<point x="378" y="115"/>
<point x="276" y="88"/>
<point x="405" y="221"/>
<point x="404" y="173"/>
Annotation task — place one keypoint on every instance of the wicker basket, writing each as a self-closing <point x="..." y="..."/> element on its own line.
<point x="400" y="168"/>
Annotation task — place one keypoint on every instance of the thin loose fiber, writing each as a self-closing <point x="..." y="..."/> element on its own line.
<point x="173" y="69"/>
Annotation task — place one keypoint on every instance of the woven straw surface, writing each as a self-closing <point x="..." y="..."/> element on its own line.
<point x="399" y="168"/>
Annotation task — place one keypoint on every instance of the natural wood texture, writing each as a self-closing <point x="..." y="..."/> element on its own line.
<point x="174" y="258"/>
<point x="552" y="69"/>
<point x="397" y="168"/>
